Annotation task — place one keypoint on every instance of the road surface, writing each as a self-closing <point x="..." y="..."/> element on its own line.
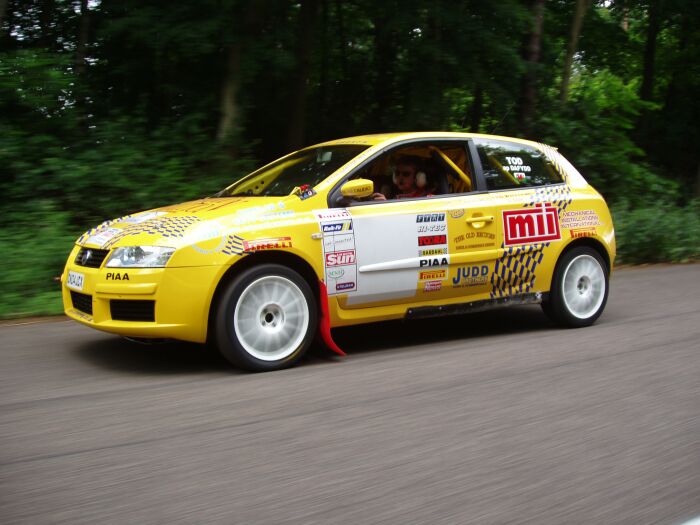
<point x="497" y="417"/>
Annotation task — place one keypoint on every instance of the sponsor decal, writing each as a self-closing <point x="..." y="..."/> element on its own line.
<point x="430" y="217"/>
<point x="117" y="276"/>
<point x="474" y="235"/>
<point x="274" y="243"/>
<point x="305" y="192"/>
<point x="582" y="232"/>
<point x="456" y="214"/>
<point x="432" y="275"/>
<point x="434" y="261"/>
<point x="579" y="219"/>
<point x="141" y="217"/>
<point x="432" y="251"/>
<point x="332" y="227"/>
<point x="209" y="237"/>
<point x="335" y="273"/>
<point x="461" y="247"/>
<point x="345" y="286"/>
<point x="471" y="276"/>
<point x="530" y="225"/>
<point x="431" y="240"/>
<point x="340" y="213"/>
<point x="432" y="286"/>
<point x="430" y="228"/>
<point x="340" y="258"/>
<point x="339" y="242"/>
<point x="102" y="237"/>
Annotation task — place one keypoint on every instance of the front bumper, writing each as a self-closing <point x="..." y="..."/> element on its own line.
<point x="168" y="303"/>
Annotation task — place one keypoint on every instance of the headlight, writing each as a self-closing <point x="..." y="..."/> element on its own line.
<point x="140" y="257"/>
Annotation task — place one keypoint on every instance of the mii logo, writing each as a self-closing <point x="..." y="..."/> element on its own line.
<point x="528" y="225"/>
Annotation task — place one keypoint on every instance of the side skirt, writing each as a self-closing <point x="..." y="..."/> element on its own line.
<point x="422" y="312"/>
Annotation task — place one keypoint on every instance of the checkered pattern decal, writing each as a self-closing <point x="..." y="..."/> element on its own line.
<point x="514" y="272"/>
<point x="234" y="245"/>
<point x="168" y="227"/>
<point x="85" y="236"/>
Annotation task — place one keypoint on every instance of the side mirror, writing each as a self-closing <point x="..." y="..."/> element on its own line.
<point x="357" y="189"/>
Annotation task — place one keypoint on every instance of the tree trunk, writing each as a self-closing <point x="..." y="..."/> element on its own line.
<point x="384" y="65"/>
<point x="229" y="93"/>
<point x="228" y="104"/>
<point x="581" y="8"/>
<point x="647" y="89"/>
<point x="3" y="7"/>
<point x="528" y="96"/>
<point x="476" y="111"/>
<point x="307" y="23"/>
<point x="45" y="16"/>
<point x="81" y="48"/>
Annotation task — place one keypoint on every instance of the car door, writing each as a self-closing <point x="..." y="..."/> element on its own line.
<point x="408" y="251"/>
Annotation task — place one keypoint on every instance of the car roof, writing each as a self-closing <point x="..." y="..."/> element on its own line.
<point x="389" y="138"/>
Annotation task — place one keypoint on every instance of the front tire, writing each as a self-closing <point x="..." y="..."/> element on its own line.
<point x="266" y="319"/>
<point x="579" y="289"/>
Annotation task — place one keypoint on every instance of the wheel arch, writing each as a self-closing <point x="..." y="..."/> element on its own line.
<point x="593" y="243"/>
<point x="290" y="260"/>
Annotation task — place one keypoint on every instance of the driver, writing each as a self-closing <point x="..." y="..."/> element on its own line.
<point x="409" y="179"/>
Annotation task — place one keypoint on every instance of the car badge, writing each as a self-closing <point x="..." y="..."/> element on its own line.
<point x="86" y="257"/>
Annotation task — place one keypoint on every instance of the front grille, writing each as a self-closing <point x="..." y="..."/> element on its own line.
<point x="131" y="310"/>
<point x="90" y="257"/>
<point x="81" y="301"/>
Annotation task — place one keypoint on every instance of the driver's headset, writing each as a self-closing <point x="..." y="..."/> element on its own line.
<point x="421" y="177"/>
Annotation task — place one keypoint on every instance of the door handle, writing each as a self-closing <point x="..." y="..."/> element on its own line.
<point x="483" y="218"/>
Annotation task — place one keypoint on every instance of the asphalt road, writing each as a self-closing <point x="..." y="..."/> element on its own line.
<point x="497" y="418"/>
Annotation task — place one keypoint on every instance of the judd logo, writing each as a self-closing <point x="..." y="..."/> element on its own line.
<point x="430" y="217"/>
<point x="345" y="286"/>
<point x="340" y="258"/>
<point x="471" y="275"/>
<point x="267" y="244"/>
<point x="432" y="240"/>
<point x="526" y="225"/>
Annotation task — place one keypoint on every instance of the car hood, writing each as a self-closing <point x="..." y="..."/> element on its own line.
<point x="192" y="221"/>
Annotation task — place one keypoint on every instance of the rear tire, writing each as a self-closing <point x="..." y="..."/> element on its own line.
<point x="579" y="288"/>
<point x="266" y="318"/>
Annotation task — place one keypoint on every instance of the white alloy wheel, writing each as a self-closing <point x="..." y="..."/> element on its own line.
<point x="583" y="286"/>
<point x="271" y="318"/>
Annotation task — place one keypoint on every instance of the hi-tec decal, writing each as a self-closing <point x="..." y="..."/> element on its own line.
<point x="530" y="225"/>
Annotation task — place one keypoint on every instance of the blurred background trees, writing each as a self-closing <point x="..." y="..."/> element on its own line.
<point x="111" y="106"/>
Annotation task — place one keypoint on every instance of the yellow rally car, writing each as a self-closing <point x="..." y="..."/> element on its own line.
<point x="363" y="229"/>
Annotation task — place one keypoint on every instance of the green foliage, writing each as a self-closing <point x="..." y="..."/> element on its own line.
<point x="593" y="132"/>
<point x="134" y="125"/>
<point x="658" y="233"/>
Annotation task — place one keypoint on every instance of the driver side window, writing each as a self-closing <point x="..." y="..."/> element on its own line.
<point x="420" y="170"/>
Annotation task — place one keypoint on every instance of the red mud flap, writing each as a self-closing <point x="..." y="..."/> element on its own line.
<point x="324" y="325"/>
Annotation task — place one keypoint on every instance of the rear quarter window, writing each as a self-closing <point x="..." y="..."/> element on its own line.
<point x="511" y="165"/>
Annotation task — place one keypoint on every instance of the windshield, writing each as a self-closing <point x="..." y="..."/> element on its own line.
<point x="306" y="167"/>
